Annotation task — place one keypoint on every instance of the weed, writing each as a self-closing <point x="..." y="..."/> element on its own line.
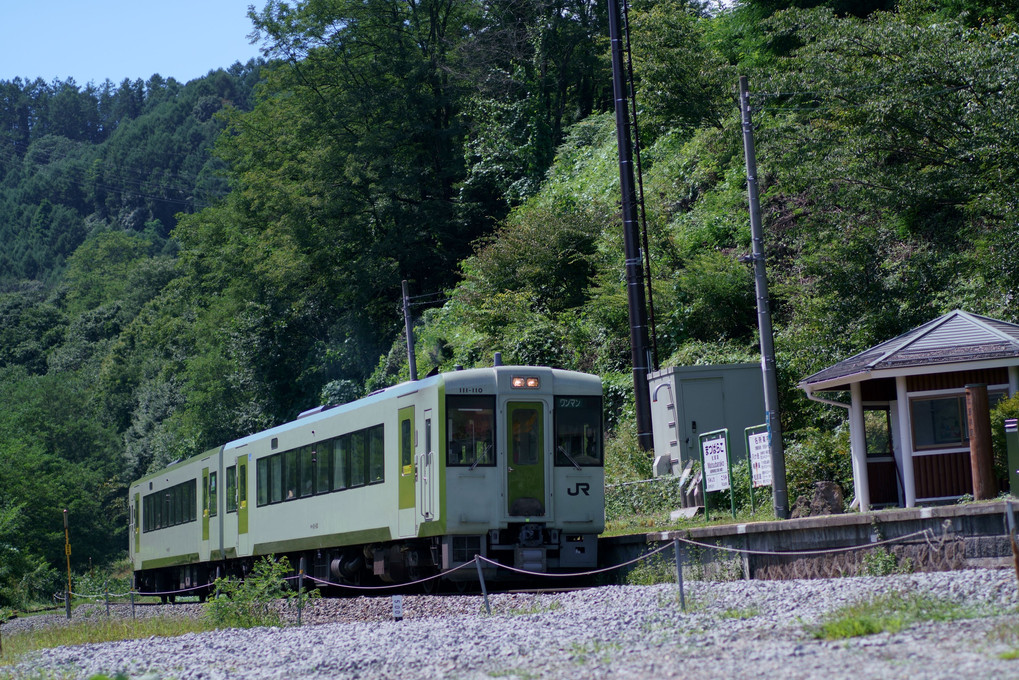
<point x="740" y="614"/>
<point x="535" y="607"/>
<point x="881" y="562"/>
<point x="888" y="613"/>
<point x="659" y="568"/>
<point x="581" y="652"/>
<point x="250" y="603"/>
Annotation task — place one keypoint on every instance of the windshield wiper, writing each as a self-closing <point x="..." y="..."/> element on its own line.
<point x="479" y="458"/>
<point x="569" y="457"/>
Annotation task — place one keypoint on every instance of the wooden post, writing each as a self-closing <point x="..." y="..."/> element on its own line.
<point x="985" y="487"/>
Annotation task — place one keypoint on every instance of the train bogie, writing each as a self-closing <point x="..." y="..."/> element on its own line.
<point x="504" y="462"/>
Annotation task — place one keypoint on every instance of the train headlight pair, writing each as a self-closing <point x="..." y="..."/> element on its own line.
<point x="524" y="383"/>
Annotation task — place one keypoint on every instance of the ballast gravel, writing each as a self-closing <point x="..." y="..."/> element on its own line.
<point x="729" y="629"/>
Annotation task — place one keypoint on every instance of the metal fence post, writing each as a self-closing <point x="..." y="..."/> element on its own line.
<point x="679" y="572"/>
<point x="481" y="580"/>
<point x="300" y="590"/>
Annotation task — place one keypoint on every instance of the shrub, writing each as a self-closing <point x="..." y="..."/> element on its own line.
<point x="819" y="456"/>
<point x="250" y="602"/>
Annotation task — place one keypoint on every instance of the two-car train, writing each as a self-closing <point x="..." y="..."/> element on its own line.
<point x="414" y="480"/>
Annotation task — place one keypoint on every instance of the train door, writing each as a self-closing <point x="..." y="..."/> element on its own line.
<point x="525" y="467"/>
<point x="204" y="548"/>
<point x="243" y="541"/>
<point x="408" y="472"/>
<point x="136" y="523"/>
<point x="427" y="475"/>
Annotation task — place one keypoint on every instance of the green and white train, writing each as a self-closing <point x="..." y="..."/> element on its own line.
<point x="408" y="482"/>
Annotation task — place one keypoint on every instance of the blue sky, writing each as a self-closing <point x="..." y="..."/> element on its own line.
<point x="92" y="40"/>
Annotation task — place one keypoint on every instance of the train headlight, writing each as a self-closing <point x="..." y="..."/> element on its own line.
<point x="525" y="383"/>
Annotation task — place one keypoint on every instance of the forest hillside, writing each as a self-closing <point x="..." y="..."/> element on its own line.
<point x="187" y="263"/>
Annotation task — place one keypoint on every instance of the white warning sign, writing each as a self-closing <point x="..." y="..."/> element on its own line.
<point x="760" y="458"/>
<point x="716" y="464"/>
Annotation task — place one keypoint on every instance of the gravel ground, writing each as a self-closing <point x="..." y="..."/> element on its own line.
<point x="732" y="629"/>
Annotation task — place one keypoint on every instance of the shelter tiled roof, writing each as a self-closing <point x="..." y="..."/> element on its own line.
<point x="955" y="337"/>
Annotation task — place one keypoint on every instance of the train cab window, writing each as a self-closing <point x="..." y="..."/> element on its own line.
<point x="471" y="431"/>
<point x="213" y="498"/>
<point x="231" y="489"/>
<point x="578" y="431"/>
<point x="307" y="484"/>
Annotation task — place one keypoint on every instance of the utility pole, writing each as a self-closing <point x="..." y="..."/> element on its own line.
<point x="640" y="354"/>
<point x="779" y="492"/>
<point x="407" y="321"/>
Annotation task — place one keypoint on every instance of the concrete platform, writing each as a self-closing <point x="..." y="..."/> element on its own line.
<point x="914" y="539"/>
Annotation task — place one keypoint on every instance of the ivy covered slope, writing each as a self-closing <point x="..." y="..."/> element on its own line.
<point x="158" y="298"/>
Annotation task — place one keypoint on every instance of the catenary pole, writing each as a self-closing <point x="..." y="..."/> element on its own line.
<point x="780" y="494"/>
<point x="409" y="324"/>
<point x="640" y="354"/>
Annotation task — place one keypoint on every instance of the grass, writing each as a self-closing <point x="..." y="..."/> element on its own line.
<point x="888" y="614"/>
<point x="17" y="645"/>
<point x="533" y="608"/>
<point x="1007" y="633"/>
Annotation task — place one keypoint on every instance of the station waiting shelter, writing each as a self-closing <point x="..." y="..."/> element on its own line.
<point x="907" y="406"/>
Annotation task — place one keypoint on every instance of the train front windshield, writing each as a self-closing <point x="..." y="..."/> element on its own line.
<point x="471" y="431"/>
<point x="578" y="431"/>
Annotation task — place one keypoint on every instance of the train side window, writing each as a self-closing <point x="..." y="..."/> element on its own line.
<point x="262" y="480"/>
<point x="358" y="454"/>
<point x="341" y="462"/>
<point x="307" y="487"/>
<point x="213" y="497"/>
<point x="192" y="500"/>
<point x="377" y="454"/>
<point x="470" y="431"/>
<point x="323" y="467"/>
<point x="231" y="489"/>
<point x="578" y="431"/>
<point x="276" y="478"/>
<point x="290" y="471"/>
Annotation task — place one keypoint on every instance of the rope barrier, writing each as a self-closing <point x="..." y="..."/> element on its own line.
<point x="927" y="534"/>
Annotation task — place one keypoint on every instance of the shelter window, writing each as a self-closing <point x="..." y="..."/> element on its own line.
<point x="939" y="422"/>
<point x="877" y="424"/>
